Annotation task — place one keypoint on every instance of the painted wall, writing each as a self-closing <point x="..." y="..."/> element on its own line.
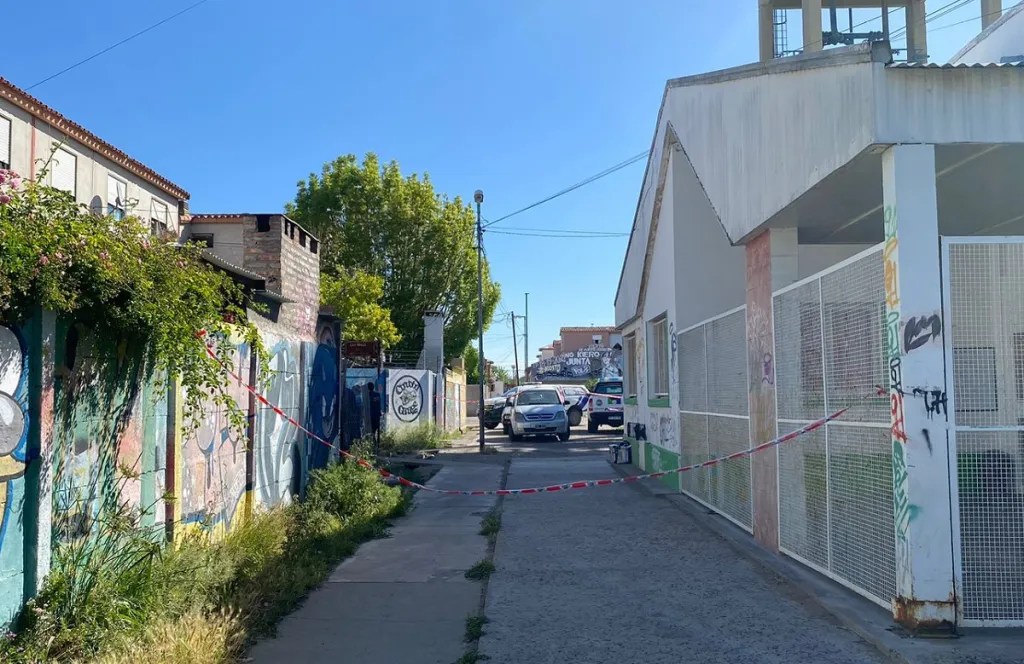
<point x="91" y="168"/>
<point x="14" y="427"/>
<point x="410" y="399"/>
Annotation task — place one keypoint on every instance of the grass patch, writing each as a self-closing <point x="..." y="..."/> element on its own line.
<point x="490" y="525"/>
<point x="475" y="628"/>
<point x="120" y="596"/>
<point x="482" y="570"/>
<point x="410" y="440"/>
<point x="471" y="657"/>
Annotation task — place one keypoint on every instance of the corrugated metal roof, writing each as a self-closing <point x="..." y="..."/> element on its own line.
<point x="960" y="65"/>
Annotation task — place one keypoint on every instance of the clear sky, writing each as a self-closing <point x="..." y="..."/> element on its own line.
<point x="237" y="100"/>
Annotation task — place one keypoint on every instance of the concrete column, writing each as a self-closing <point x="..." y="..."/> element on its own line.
<point x="991" y="10"/>
<point x="925" y="588"/>
<point x="812" y="25"/>
<point x="917" y="33"/>
<point x="771" y="264"/>
<point x="766" y="29"/>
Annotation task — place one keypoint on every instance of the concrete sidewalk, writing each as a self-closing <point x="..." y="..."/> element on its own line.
<point x="404" y="598"/>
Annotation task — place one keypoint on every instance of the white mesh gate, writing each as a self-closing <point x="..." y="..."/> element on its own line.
<point x="714" y="413"/>
<point x="835" y="484"/>
<point x="984" y="314"/>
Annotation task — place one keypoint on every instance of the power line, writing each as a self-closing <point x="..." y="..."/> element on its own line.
<point x="557" y="230"/>
<point x="597" y="176"/>
<point x="966" y="20"/>
<point x="113" y="46"/>
<point x="934" y="14"/>
<point x="607" y="236"/>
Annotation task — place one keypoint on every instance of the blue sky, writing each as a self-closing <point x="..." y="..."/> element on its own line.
<point x="236" y="101"/>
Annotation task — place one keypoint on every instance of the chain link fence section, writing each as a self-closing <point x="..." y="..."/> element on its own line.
<point x="835" y="484"/>
<point x="714" y="414"/>
<point x="985" y="344"/>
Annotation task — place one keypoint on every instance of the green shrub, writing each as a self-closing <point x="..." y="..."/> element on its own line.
<point x="409" y="440"/>
<point x="125" y="597"/>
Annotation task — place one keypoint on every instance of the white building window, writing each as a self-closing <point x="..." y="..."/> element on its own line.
<point x="63" y="170"/>
<point x="159" y="217"/>
<point x="631" y="365"/>
<point x="5" y="142"/>
<point x="117" y="197"/>
<point x="658" y="368"/>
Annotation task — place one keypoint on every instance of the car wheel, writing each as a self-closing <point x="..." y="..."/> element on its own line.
<point x="506" y="429"/>
<point x="564" y="437"/>
<point x="591" y="426"/>
<point x="491" y="426"/>
<point x="515" y="438"/>
<point x="575" y="416"/>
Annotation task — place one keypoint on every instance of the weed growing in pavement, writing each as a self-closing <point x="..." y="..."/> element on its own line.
<point x="471" y="657"/>
<point x="475" y="627"/>
<point x="490" y="525"/>
<point x="121" y="597"/>
<point x="482" y="570"/>
<point x="409" y="440"/>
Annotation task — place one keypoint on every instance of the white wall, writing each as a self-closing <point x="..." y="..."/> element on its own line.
<point x="813" y="258"/>
<point x="1004" y="38"/>
<point x="227" y="239"/>
<point x="91" y="168"/>
<point x="410" y="400"/>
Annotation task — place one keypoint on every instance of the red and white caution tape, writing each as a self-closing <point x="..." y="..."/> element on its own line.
<point x="552" y="488"/>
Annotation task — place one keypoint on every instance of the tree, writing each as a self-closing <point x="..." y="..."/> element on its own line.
<point x="502" y="374"/>
<point x="371" y="218"/>
<point x="472" y="360"/>
<point x="355" y="297"/>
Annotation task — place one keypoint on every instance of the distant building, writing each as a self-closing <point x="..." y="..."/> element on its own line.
<point x="580" y="354"/>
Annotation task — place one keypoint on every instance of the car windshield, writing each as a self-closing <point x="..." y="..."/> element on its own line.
<point x="538" y="397"/>
<point x="608" y="388"/>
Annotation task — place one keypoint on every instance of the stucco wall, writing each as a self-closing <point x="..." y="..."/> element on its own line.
<point x="91" y="168"/>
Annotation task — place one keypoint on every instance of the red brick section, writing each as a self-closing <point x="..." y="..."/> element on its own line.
<point x="574" y="338"/>
<point x="284" y="255"/>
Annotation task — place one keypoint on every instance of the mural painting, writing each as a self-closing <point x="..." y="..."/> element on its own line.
<point x="14" y="420"/>
<point x="409" y="397"/>
<point x="591" y="362"/>
<point x="97" y="452"/>
<point x="322" y="411"/>
<point x="278" y="456"/>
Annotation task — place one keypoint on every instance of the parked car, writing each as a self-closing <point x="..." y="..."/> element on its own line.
<point x="605" y="405"/>
<point x="578" y="396"/>
<point x="506" y="411"/>
<point x="539" y="411"/>
<point x="494" y="407"/>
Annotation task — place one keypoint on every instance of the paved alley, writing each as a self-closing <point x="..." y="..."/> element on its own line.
<point x="617" y="575"/>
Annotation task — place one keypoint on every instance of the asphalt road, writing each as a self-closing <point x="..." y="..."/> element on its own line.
<point x="615" y="574"/>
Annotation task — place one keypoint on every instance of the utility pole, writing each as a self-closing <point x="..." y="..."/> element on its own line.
<point x="478" y="196"/>
<point x="515" y="346"/>
<point x="526" y="336"/>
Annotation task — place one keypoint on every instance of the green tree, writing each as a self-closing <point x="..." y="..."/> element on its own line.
<point x="472" y="359"/>
<point x="371" y="218"/>
<point x="502" y="374"/>
<point x="355" y="297"/>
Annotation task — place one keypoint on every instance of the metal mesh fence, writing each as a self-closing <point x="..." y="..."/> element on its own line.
<point x="986" y="333"/>
<point x="713" y="385"/>
<point x="835" y="485"/>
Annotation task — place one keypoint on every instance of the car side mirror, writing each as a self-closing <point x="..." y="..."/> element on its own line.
<point x="568" y="403"/>
<point x="508" y="402"/>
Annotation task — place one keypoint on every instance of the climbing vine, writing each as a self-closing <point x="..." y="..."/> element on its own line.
<point x="113" y="278"/>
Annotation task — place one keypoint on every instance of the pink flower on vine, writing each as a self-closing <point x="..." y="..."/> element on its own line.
<point x="104" y="256"/>
<point x="44" y="260"/>
<point x="4" y="199"/>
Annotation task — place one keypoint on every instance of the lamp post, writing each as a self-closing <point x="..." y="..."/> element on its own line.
<point x="478" y="197"/>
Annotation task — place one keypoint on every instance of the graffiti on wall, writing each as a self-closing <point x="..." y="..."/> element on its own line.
<point x="591" y="362"/>
<point x="213" y="474"/>
<point x="322" y="410"/>
<point x="14" y="420"/>
<point x="898" y="434"/>
<point x="410" y="397"/>
<point x="278" y="456"/>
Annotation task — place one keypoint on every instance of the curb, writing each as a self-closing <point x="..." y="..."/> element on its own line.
<point x="798" y="580"/>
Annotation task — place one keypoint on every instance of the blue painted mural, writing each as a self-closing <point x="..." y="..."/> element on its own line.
<point x="14" y="421"/>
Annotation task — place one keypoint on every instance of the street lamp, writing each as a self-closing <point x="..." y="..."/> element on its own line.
<point x="478" y="197"/>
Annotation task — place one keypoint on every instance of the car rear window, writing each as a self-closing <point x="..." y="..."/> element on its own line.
<point x="534" y="397"/>
<point x="608" y="388"/>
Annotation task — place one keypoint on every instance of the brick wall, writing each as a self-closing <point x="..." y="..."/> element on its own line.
<point x="575" y="338"/>
<point x="289" y="258"/>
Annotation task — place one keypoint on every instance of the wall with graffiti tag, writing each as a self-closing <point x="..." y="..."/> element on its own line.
<point x="14" y="424"/>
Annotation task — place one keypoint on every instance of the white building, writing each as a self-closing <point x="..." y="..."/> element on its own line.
<point x="37" y="141"/>
<point x="824" y="236"/>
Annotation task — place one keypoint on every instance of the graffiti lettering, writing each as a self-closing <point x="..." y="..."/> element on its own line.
<point x="407" y="397"/>
<point x="927" y="439"/>
<point x="934" y="401"/>
<point x="919" y="330"/>
<point x="768" y="369"/>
